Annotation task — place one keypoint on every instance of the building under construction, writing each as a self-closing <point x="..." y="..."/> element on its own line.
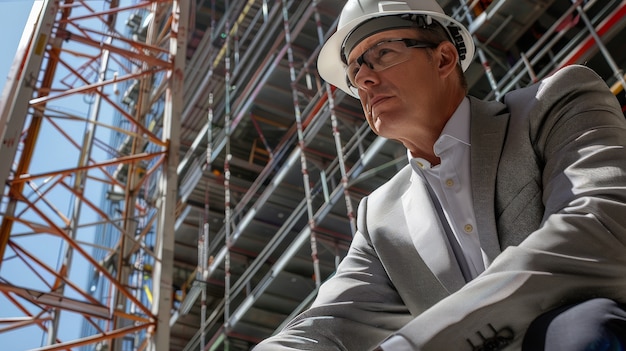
<point x="178" y="177"/>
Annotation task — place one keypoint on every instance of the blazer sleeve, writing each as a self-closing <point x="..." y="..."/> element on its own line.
<point x="355" y="309"/>
<point x="578" y="252"/>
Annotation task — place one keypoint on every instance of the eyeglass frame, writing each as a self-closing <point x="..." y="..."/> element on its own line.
<point x="360" y="60"/>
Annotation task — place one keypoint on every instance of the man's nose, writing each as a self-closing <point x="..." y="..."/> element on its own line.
<point x="366" y="76"/>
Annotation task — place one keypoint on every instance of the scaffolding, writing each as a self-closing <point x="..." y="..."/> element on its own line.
<point x="183" y="180"/>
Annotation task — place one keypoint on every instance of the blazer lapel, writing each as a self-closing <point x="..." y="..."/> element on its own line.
<point x="428" y="236"/>
<point x="489" y="121"/>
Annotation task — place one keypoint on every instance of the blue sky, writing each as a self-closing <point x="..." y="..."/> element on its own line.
<point x="13" y="16"/>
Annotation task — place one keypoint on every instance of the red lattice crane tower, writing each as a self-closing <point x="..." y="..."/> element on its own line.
<point x="89" y="127"/>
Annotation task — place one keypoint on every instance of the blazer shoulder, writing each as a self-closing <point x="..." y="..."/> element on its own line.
<point x="565" y="86"/>
<point x="563" y="82"/>
<point x="572" y="78"/>
<point x="574" y="72"/>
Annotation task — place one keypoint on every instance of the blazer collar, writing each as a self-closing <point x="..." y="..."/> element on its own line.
<point x="428" y="236"/>
<point x="489" y="120"/>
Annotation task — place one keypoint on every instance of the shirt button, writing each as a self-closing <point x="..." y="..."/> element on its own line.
<point x="449" y="182"/>
<point x="421" y="165"/>
<point x="468" y="228"/>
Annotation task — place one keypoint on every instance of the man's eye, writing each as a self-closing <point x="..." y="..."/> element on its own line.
<point x="385" y="54"/>
<point x="381" y="52"/>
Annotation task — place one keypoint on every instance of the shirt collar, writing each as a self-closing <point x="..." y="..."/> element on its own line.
<point x="457" y="129"/>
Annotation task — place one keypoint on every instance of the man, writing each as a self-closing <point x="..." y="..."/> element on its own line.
<point x="507" y="230"/>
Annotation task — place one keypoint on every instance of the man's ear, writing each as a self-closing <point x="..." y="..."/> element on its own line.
<point x="448" y="58"/>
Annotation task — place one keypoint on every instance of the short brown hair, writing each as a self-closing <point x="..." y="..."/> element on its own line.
<point x="436" y="33"/>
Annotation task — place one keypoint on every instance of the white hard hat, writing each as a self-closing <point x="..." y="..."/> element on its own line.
<point x="331" y="61"/>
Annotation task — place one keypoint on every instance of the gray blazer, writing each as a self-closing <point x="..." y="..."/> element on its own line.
<point x="549" y="185"/>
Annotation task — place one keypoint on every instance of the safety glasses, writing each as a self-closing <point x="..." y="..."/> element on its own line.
<point x="383" y="55"/>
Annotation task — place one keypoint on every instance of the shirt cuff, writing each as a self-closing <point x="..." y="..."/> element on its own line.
<point x="396" y="343"/>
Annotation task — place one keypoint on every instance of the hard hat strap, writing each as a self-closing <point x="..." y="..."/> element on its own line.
<point x="456" y="37"/>
<point x="453" y="31"/>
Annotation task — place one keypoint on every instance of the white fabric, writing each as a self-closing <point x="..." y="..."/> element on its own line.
<point x="450" y="180"/>
<point x="396" y="343"/>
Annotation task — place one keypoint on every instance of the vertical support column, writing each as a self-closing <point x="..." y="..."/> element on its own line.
<point x="336" y="133"/>
<point x="203" y="245"/>
<point x="14" y="103"/>
<point x="490" y="77"/>
<point x="481" y="54"/>
<point x="228" y="211"/>
<point x="204" y="264"/>
<point x="303" y="161"/>
<point x="164" y="247"/>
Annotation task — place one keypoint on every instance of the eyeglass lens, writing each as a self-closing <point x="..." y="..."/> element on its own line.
<point x="383" y="55"/>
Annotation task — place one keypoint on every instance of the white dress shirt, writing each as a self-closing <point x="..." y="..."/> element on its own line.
<point x="451" y="183"/>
